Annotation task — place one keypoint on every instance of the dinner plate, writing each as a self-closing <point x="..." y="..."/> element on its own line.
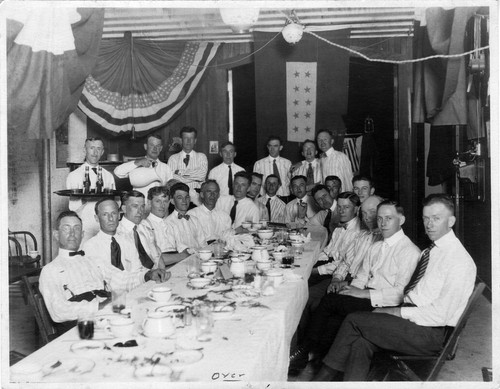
<point x="177" y="309"/>
<point x="242" y="295"/>
<point x="242" y="287"/>
<point x="68" y="365"/>
<point x="87" y="347"/>
<point x="183" y="357"/>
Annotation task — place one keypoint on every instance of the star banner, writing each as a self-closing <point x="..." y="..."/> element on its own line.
<point x="301" y="79"/>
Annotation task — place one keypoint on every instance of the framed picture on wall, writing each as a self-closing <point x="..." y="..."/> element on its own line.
<point x="214" y="147"/>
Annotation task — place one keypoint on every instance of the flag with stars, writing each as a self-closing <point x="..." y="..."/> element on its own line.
<point x="301" y="100"/>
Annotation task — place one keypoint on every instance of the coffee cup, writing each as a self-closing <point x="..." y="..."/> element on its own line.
<point x="160" y="294"/>
<point x="209" y="267"/>
<point x="122" y="327"/>
<point x="246" y="225"/>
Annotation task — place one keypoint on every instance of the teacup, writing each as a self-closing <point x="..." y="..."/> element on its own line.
<point x="122" y="327"/>
<point x="200" y="282"/>
<point x="275" y="276"/>
<point x="160" y="294"/>
<point x="205" y="254"/>
<point x="256" y="225"/>
<point x="246" y="225"/>
<point x="264" y="265"/>
<point x="209" y="267"/>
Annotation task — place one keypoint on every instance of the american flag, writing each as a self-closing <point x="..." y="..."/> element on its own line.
<point x="301" y="100"/>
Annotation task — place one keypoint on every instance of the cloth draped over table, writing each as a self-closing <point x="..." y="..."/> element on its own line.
<point x="440" y="85"/>
<point x="143" y="83"/>
<point x="50" y="53"/>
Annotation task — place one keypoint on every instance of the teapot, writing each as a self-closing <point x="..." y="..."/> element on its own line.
<point x="260" y="254"/>
<point x="237" y="267"/>
<point x="158" y="325"/>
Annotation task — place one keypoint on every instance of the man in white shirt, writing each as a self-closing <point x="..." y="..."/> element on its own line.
<point x="224" y="173"/>
<point x="189" y="166"/>
<point x="147" y="172"/>
<point x="130" y="227"/>
<point x="334" y="162"/>
<point x="362" y="185"/>
<point x="74" y="284"/>
<point x="254" y="194"/>
<point x="213" y="222"/>
<point x="328" y="216"/>
<point x="310" y="167"/>
<point x="185" y="230"/>
<point x="94" y="149"/>
<point x="107" y="246"/>
<point x="274" y="164"/>
<point x="334" y="186"/>
<point x="379" y="283"/>
<point x="434" y="298"/>
<point x="301" y="209"/>
<point x="274" y="205"/>
<point x="239" y="207"/>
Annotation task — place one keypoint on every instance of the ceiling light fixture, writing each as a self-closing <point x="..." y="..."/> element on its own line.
<point x="294" y="30"/>
<point x="240" y="20"/>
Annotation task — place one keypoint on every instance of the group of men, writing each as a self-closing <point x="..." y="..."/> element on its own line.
<point x="369" y="274"/>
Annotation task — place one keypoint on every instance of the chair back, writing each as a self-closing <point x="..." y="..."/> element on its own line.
<point x="42" y="316"/>
<point x="15" y="250"/>
<point x="25" y="242"/>
<point x="451" y="341"/>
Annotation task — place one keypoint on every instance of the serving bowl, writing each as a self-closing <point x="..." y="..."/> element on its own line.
<point x="265" y="234"/>
<point x="205" y="254"/>
<point x="199" y="282"/>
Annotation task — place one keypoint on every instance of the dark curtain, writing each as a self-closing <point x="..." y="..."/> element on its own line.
<point x="143" y="83"/>
<point x="50" y="53"/>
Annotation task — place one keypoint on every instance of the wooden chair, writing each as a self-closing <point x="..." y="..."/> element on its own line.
<point x="20" y="244"/>
<point x="42" y="316"/>
<point x="400" y="363"/>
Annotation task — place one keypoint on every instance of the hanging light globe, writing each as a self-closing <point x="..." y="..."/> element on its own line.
<point x="240" y="20"/>
<point x="293" y="32"/>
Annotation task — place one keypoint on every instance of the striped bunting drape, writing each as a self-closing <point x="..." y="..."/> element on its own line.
<point x="351" y="151"/>
<point x="143" y="83"/>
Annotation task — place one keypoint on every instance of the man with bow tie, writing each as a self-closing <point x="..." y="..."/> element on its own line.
<point x="435" y="298"/>
<point x="145" y="173"/>
<point x="185" y="230"/>
<point x="74" y="284"/>
<point x="94" y="149"/>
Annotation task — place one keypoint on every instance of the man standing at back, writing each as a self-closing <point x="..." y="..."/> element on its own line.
<point x="224" y="173"/>
<point x="274" y="164"/>
<point x="94" y="149"/>
<point x="310" y="167"/>
<point x="157" y="173"/>
<point x="434" y="298"/>
<point x="334" y="162"/>
<point x="189" y="166"/>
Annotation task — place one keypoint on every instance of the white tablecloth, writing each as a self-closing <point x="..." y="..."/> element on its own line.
<point x="253" y="345"/>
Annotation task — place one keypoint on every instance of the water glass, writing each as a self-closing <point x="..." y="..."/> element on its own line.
<point x="118" y="299"/>
<point x="85" y="324"/>
<point x="204" y="323"/>
<point x="219" y="245"/>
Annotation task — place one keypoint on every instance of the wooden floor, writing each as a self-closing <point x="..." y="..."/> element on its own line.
<point x="474" y="351"/>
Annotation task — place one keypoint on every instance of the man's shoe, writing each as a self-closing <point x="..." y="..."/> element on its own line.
<point x="298" y="359"/>
<point x="325" y="374"/>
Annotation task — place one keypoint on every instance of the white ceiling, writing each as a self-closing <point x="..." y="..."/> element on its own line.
<point x="206" y="23"/>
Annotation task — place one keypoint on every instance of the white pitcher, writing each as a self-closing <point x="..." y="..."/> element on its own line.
<point x="237" y="267"/>
<point x="158" y="325"/>
<point x="260" y="254"/>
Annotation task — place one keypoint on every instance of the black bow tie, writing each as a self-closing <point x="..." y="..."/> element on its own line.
<point x="180" y="216"/>
<point x="73" y="253"/>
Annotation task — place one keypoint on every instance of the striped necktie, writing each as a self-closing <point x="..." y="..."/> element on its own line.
<point x="420" y="269"/>
<point x="310" y="175"/>
<point x="276" y="171"/>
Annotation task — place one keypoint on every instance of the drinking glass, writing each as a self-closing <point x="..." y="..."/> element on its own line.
<point x="204" y="323"/>
<point x="118" y="299"/>
<point x="85" y="324"/>
<point x="219" y="245"/>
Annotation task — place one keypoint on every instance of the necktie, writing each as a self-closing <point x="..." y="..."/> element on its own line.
<point x="185" y="216"/>
<point x="327" y="221"/>
<point x="95" y="170"/>
<point x="154" y="163"/>
<point x="268" y="206"/>
<point x="73" y="253"/>
<point x="230" y="181"/>
<point x="186" y="160"/>
<point x="232" y="214"/>
<point x="310" y="175"/>
<point x="116" y="254"/>
<point x="276" y="172"/>
<point x="420" y="269"/>
<point x="143" y="255"/>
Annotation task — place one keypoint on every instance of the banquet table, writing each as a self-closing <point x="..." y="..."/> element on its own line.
<point x="250" y="345"/>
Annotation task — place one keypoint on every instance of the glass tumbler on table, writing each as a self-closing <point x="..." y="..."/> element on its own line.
<point x="85" y="324"/>
<point x="118" y="299"/>
<point x="204" y="323"/>
<point x="219" y="245"/>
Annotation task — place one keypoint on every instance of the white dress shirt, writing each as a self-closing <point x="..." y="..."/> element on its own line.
<point x="147" y="237"/>
<point x="99" y="248"/>
<point x="337" y="248"/>
<point x="213" y="222"/>
<point x="162" y="170"/>
<point x="292" y="210"/>
<point x="220" y="173"/>
<point x="356" y="253"/>
<point x="196" y="171"/>
<point x="388" y="269"/>
<point x="337" y="164"/>
<point x="246" y="210"/>
<point x="263" y="214"/>
<point x="317" y="173"/>
<point x="79" y="274"/>
<point x="319" y="218"/>
<point x="186" y="234"/>
<point x="158" y="228"/>
<point x="442" y="293"/>
<point x="277" y="208"/>
<point x="265" y="167"/>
